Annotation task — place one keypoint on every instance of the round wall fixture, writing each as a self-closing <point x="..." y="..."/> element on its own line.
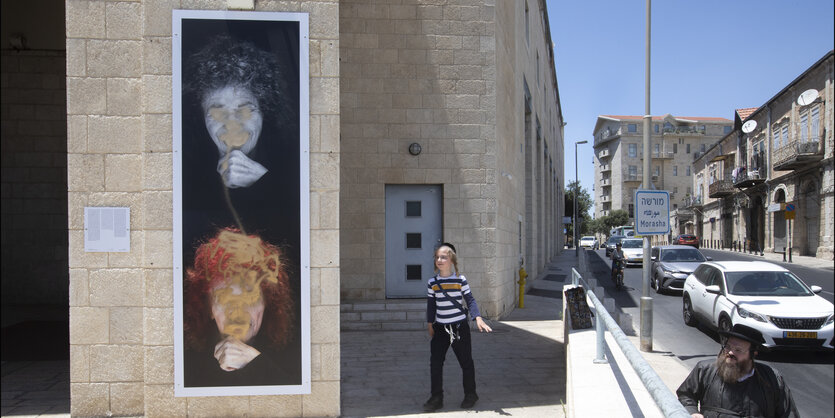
<point x="414" y="148"/>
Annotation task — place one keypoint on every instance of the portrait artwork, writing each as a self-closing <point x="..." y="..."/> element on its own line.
<point x="241" y="227"/>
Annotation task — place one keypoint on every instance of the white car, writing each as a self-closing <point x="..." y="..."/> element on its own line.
<point x="763" y="296"/>
<point x="633" y="250"/>
<point x="589" y="242"/>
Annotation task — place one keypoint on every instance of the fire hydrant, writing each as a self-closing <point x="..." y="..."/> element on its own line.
<point x="522" y="275"/>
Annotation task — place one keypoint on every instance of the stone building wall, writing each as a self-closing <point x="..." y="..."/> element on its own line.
<point x="34" y="198"/>
<point x="119" y="153"/>
<point x="429" y="72"/>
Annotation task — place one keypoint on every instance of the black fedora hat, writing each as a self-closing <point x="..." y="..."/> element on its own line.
<point x="746" y="333"/>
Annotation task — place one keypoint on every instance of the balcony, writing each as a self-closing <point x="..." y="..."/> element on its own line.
<point x="748" y="178"/>
<point x="721" y="188"/>
<point x="603" y="154"/>
<point x="631" y="177"/>
<point x="605" y="167"/>
<point x="663" y="155"/>
<point x="684" y="130"/>
<point x="606" y="182"/>
<point x="605" y="198"/>
<point x="796" y="155"/>
<point x="692" y="201"/>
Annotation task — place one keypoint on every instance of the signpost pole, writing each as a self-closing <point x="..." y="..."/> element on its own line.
<point x="646" y="300"/>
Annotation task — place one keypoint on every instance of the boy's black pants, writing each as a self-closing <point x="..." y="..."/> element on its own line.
<point x="462" y="348"/>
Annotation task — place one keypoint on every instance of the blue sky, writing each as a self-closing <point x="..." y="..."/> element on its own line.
<point x="708" y="58"/>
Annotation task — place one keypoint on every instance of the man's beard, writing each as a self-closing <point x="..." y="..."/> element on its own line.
<point x="730" y="372"/>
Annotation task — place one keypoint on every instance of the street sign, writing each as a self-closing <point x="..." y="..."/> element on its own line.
<point x="790" y="211"/>
<point x="652" y="212"/>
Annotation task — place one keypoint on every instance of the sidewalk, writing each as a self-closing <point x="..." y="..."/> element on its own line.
<point x="800" y="260"/>
<point x="520" y="366"/>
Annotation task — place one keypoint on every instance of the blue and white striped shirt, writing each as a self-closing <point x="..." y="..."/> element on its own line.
<point x="440" y="308"/>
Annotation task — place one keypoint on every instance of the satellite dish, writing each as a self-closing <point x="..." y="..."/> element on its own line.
<point x="749" y="126"/>
<point x="807" y="97"/>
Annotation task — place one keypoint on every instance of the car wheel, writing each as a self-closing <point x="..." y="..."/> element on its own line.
<point x="657" y="285"/>
<point x="687" y="311"/>
<point x="724" y="326"/>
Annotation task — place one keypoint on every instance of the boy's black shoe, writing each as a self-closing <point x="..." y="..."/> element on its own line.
<point x="434" y="403"/>
<point x="469" y="400"/>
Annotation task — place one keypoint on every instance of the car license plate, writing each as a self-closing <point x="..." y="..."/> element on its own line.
<point x="797" y="334"/>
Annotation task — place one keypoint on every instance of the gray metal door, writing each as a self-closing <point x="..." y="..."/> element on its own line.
<point x="780" y="241"/>
<point x="413" y="230"/>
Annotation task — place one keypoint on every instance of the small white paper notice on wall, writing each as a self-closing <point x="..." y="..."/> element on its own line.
<point x="106" y="230"/>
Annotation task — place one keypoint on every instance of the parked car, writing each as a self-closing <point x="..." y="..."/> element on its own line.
<point x="633" y="251"/>
<point x="612" y="242"/>
<point x="764" y="296"/>
<point x="671" y="264"/>
<point x="589" y="242"/>
<point x="686" y="239"/>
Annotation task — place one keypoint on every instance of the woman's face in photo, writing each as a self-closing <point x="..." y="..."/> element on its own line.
<point x="233" y="118"/>
<point x="237" y="311"/>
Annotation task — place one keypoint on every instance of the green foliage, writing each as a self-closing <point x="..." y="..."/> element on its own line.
<point x="584" y="204"/>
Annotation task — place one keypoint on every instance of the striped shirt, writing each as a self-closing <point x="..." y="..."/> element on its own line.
<point x="440" y="307"/>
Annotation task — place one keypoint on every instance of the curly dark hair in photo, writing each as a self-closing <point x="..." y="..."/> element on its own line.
<point x="227" y="257"/>
<point x="225" y="61"/>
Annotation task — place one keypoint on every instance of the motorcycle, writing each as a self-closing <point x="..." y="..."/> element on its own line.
<point x="617" y="276"/>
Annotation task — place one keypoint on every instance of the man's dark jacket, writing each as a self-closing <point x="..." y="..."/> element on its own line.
<point x="764" y="394"/>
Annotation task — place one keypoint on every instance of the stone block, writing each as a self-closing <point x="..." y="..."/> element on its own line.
<point x="157" y="130"/>
<point x="76" y="57"/>
<point x="323" y="16"/>
<point x="116" y="287"/>
<point x="159" y="365"/>
<point x="324" y="326"/>
<point x="79" y="287"/>
<point x="324" y="96"/>
<point x="123" y="96"/>
<point x="123" y="173"/>
<point x="275" y="406"/>
<point x="157" y="95"/>
<point x="114" y="134"/>
<point x="158" y="249"/>
<point x="159" y="326"/>
<point x="86" y="96"/>
<point x="157" y="209"/>
<point x="127" y="399"/>
<point x="125" y="325"/>
<point x="157" y="172"/>
<point x="160" y="402"/>
<point x="323" y="401"/>
<point x="121" y="20"/>
<point x="217" y="406"/>
<point x="85" y="19"/>
<point x="324" y="173"/>
<point x="89" y="325"/>
<point x="326" y="243"/>
<point x="156" y="55"/>
<point x="89" y="399"/>
<point x="76" y="134"/>
<point x="157" y="14"/>
<point x="114" y="58"/>
<point x="116" y="363"/>
<point x="159" y="288"/>
<point x="79" y="363"/>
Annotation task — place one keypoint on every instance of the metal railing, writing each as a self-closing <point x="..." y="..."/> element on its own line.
<point x="663" y="397"/>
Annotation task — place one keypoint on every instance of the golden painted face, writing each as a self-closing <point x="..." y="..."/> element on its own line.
<point x="237" y="301"/>
<point x="232" y="118"/>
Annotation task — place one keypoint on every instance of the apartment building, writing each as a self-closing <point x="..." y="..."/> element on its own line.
<point x="443" y="112"/>
<point x="768" y="185"/>
<point x="674" y="142"/>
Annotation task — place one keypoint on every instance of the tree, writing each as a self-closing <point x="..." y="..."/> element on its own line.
<point x="616" y="218"/>
<point x="584" y="203"/>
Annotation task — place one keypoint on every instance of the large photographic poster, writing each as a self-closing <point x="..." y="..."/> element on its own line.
<point x="241" y="219"/>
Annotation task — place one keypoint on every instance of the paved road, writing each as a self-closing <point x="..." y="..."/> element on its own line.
<point x="809" y="375"/>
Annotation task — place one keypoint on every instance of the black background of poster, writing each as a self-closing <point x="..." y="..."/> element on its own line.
<point x="268" y="208"/>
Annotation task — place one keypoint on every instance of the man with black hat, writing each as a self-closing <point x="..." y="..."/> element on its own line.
<point x="735" y="385"/>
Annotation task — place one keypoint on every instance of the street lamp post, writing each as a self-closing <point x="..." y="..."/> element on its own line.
<point x="576" y="193"/>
